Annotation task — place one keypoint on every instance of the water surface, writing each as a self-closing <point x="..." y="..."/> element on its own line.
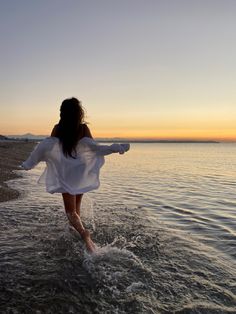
<point x="165" y="224"/>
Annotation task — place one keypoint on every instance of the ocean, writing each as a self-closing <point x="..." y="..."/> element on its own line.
<point x="163" y="220"/>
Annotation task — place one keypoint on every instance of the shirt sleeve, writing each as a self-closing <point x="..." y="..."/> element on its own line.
<point x="109" y="149"/>
<point x="37" y="155"/>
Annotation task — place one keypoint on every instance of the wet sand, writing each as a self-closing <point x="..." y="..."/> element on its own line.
<point x="12" y="154"/>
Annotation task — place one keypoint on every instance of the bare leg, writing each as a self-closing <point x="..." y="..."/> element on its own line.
<point x="89" y="242"/>
<point x="74" y="218"/>
<point x="78" y="203"/>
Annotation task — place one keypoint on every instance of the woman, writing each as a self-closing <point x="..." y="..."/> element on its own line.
<point x="73" y="161"/>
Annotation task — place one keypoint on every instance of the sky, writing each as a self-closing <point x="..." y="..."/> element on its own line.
<point x="150" y="69"/>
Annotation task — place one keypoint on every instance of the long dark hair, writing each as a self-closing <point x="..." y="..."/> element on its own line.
<point x="70" y="127"/>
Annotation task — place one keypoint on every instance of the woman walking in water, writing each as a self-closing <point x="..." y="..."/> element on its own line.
<point x="73" y="162"/>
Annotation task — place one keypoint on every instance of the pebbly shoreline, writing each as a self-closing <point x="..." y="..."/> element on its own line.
<point x="12" y="154"/>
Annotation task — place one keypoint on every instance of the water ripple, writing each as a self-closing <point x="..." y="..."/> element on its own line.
<point x="164" y="224"/>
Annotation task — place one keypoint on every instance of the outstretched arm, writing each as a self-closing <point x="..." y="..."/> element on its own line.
<point x="113" y="148"/>
<point x="107" y="149"/>
<point x="37" y="155"/>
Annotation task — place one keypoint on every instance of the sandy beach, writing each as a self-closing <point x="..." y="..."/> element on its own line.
<point x="12" y="153"/>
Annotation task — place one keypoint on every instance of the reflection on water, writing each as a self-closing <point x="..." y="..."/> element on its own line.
<point x="190" y="187"/>
<point x="164" y="222"/>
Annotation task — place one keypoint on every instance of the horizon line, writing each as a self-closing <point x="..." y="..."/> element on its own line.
<point x="135" y="139"/>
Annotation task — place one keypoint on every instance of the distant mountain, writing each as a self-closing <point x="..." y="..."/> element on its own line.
<point x="2" y="137"/>
<point x="120" y="140"/>
<point x="28" y="136"/>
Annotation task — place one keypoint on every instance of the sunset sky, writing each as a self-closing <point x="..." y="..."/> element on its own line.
<point x="142" y="68"/>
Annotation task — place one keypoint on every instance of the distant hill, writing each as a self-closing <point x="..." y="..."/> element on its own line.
<point x="120" y="140"/>
<point x="28" y="136"/>
<point x="31" y="136"/>
<point x="2" y="137"/>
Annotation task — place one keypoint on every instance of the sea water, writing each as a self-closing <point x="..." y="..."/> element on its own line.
<point x="163" y="219"/>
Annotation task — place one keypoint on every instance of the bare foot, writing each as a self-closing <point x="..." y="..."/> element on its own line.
<point x="90" y="245"/>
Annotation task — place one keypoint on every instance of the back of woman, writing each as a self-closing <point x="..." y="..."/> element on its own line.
<point x="71" y="127"/>
<point x="73" y="161"/>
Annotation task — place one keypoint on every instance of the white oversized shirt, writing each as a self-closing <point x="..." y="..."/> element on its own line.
<point x="71" y="175"/>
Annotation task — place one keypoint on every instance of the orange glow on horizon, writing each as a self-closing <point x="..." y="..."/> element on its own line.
<point x="142" y="134"/>
<point x="222" y="135"/>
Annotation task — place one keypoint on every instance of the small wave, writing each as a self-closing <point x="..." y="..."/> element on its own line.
<point x="205" y="308"/>
<point x="140" y="266"/>
<point x="113" y="267"/>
